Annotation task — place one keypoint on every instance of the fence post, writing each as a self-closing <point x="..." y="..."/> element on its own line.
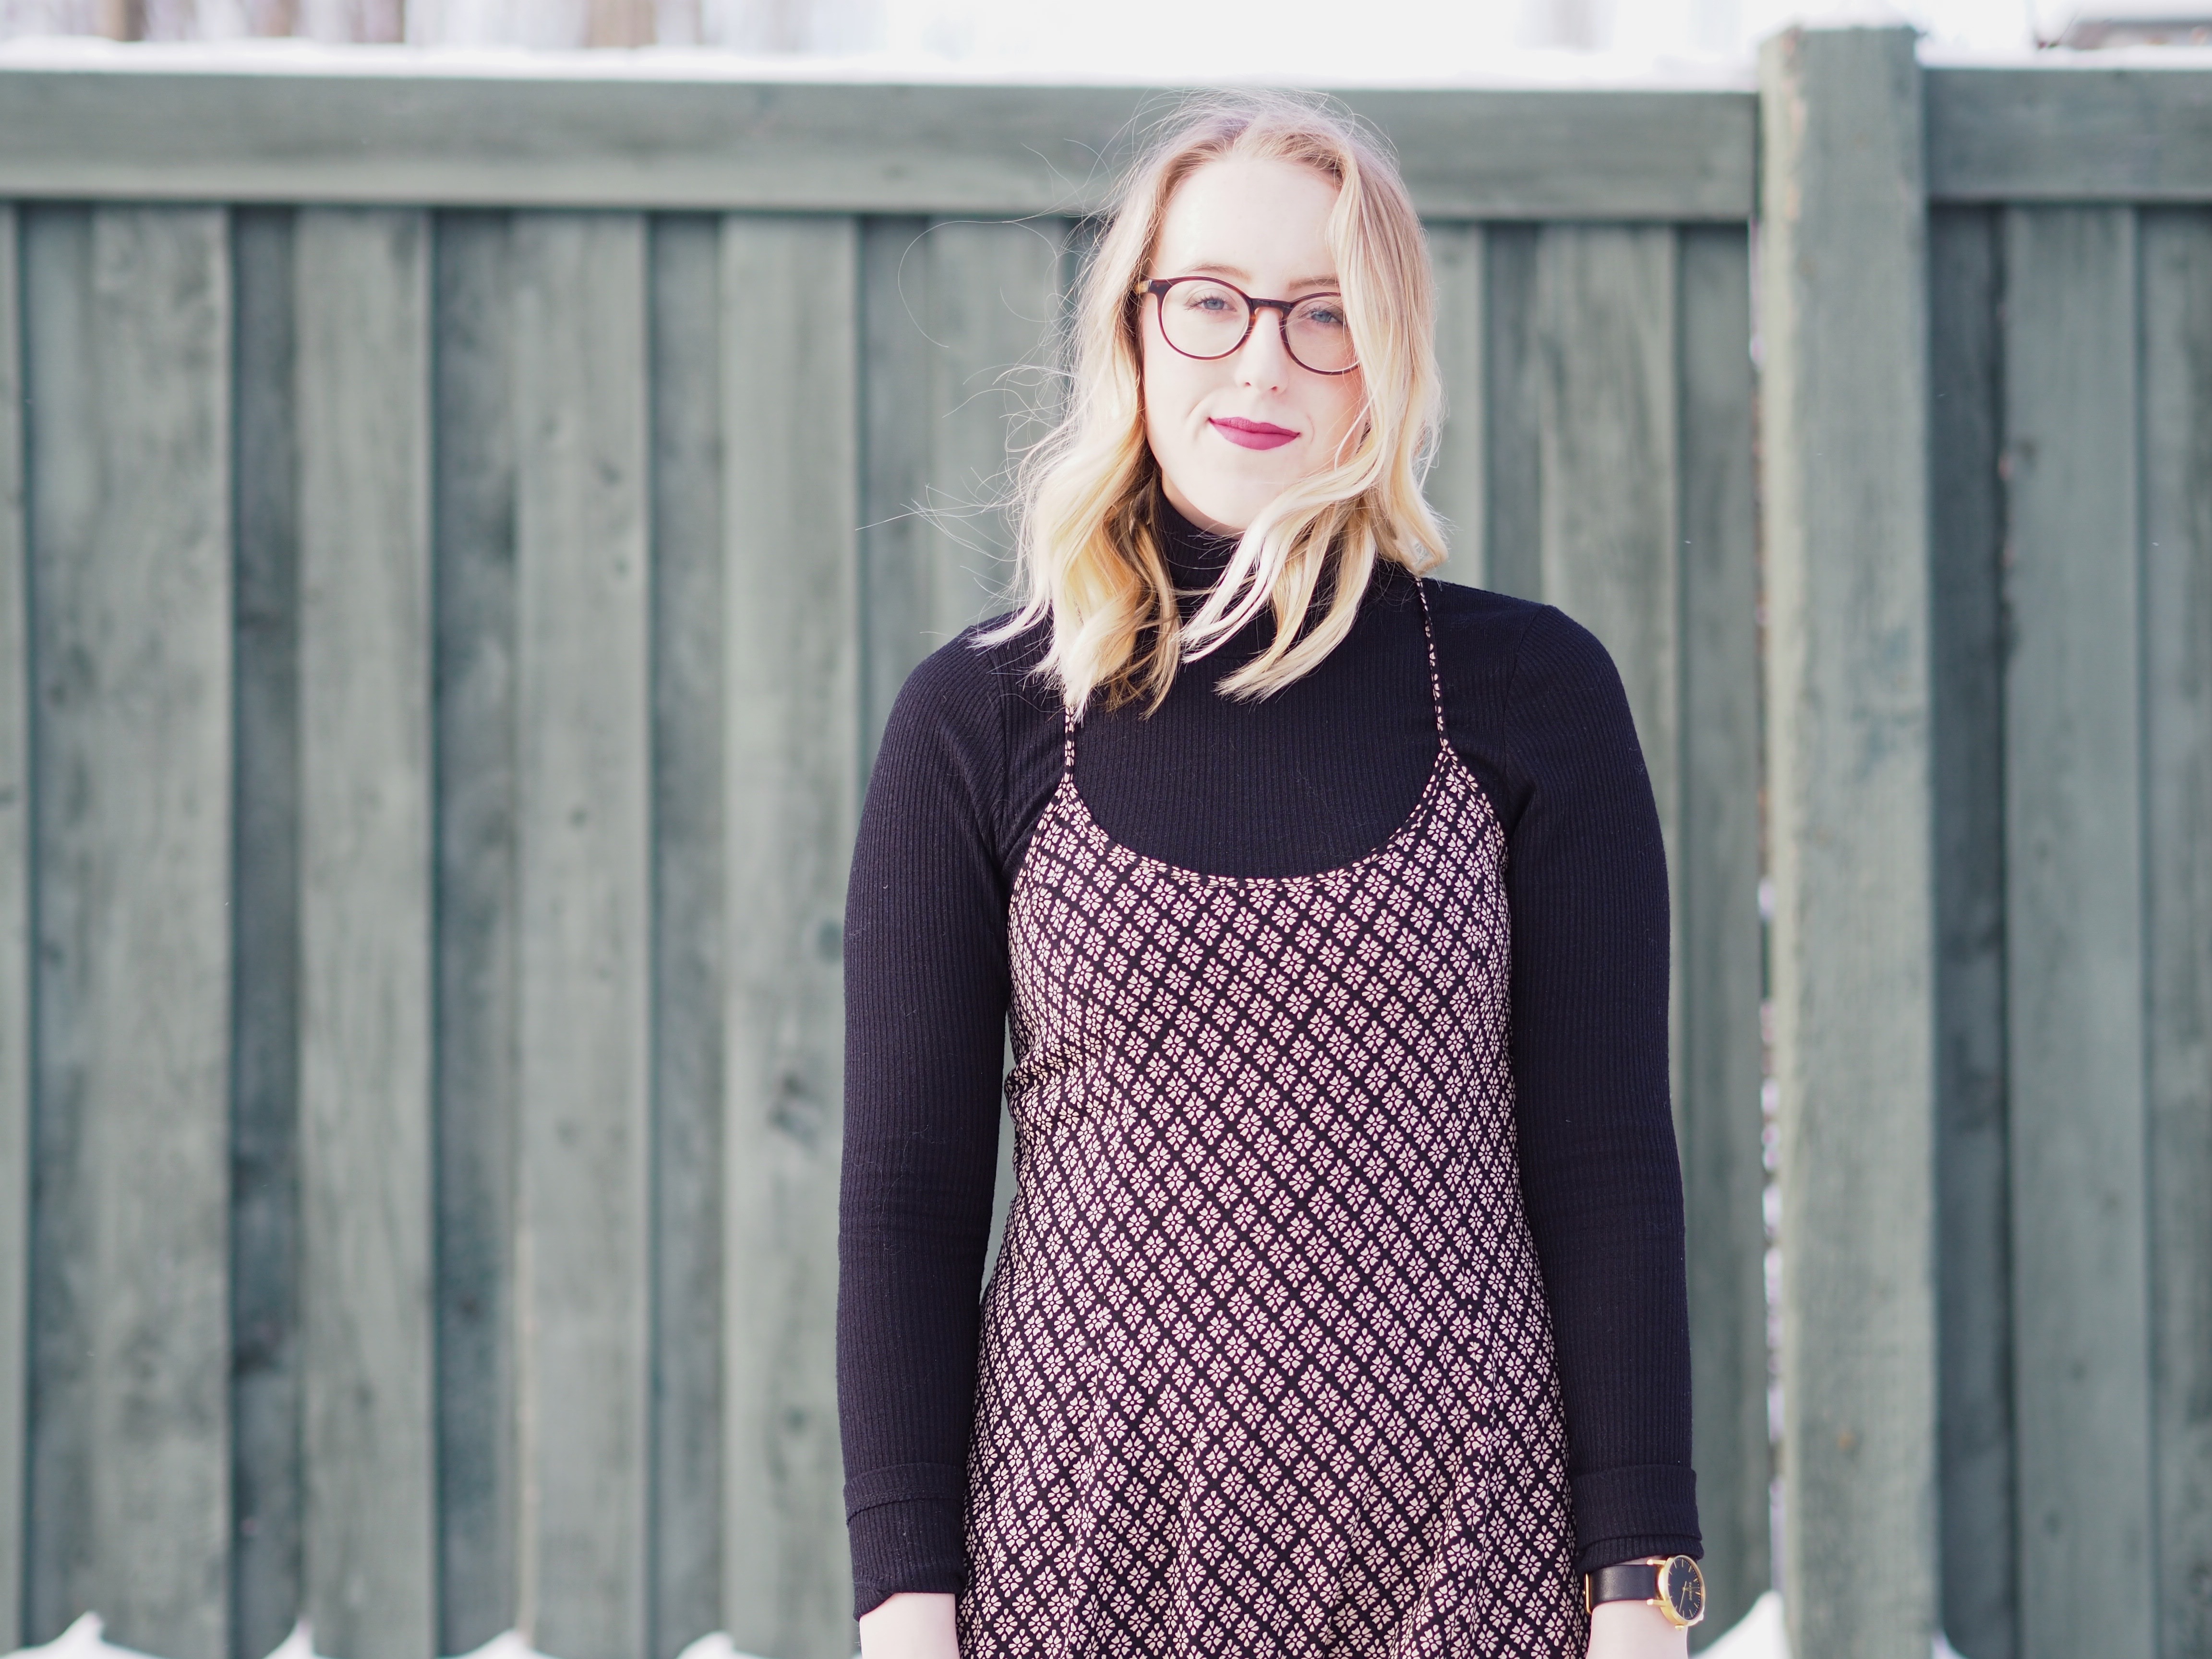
<point x="1843" y="286"/>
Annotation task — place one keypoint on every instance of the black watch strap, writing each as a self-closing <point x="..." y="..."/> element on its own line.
<point x="1630" y="1581"/>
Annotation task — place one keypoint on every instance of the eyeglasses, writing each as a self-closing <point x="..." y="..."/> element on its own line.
<point x="1204" y="318"/>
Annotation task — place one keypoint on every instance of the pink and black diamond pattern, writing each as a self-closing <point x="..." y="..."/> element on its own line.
<point x="1266" y="1365"/>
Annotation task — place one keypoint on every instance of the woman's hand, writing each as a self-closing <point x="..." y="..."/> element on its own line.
<point x="916" y="1626"/>
<point x="1626" y="1630"/>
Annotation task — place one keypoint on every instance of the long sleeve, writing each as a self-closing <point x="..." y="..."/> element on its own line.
<point x="1587" y="876"/>
<point x="925" y="988"/>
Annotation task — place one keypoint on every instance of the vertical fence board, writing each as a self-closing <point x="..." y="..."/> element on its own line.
<point x="1716" y="881"/>
<point x="15" y="951"/>
<point x="1603" y="325"/>
<point x="478" y="924"/>
<point x="2075" y="939"/>
<point x="363" y="333"/>
<point x="894" y="461"/>
<point x="1844" y="404"/>
<point x="264" y="1097"/>
<point x="791" y="425"/>
<point x="1512" y="499"/>
<point x="687" y="927"/>
<point x="2177" y="290"/>
<point x="62" y="496"/>
<point x="993" y="296"/>
<point x="1455" y="481"/>
<point x="582" y="479"/>
<point x="131" y="537"/>
<point x="1966" y="718"/>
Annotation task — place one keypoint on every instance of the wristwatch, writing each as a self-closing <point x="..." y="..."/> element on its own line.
<point x="1671" y="1583"/>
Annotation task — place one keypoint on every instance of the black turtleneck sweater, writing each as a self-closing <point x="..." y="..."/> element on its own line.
<point x="1307" y="780"/>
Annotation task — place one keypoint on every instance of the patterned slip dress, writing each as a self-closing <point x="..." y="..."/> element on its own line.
<point x="1265" y="1363"/>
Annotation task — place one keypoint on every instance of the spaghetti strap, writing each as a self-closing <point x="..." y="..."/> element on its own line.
<point x="1436" y="681"/>
<point x="1067" y="740"/>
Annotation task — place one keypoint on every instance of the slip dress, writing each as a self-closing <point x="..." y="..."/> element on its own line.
<point x="1266" y="1365"/>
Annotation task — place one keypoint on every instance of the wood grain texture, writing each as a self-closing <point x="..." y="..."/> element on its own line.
<point x="1513" y="494"/>
<point x="15" y="947"/>
<point x="362" y="313"/>
<point x="791" y="734"/>
<point x="2079" y="133"/>
<point x="2177" y="804"/>
<point x="1716" y="869"/>
<point x="1843" y="420"/>
<point x="1603" y="325"/>
<point x="582" y="482"/>
<point x="129" y="376"/>
<point x="478" y="925"/>
<point x="992" y="302"/>
<point x="2074" y="936"/>
<point x="59" y="371"/>
<point x="1456" y="478"/>
<point x="688" y="924"/>
<point x="1966" y="716"/>
<point x="897" y="598"/>
<point x="897" y="384"/>
<point x="666" y="140"/>
<point x="2175" y="253"/>
<point x="265" y="1090"/>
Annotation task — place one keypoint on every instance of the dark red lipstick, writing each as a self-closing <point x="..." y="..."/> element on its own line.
<point x="1251" y="434"/>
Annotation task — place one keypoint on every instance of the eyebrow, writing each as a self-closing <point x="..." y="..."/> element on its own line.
<point x="1238" y="273"/>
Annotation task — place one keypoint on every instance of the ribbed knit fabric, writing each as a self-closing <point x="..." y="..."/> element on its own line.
<point x="1308" y="780"/>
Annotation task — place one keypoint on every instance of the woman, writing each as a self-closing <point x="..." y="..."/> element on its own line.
<point x="1340" y="1309"/>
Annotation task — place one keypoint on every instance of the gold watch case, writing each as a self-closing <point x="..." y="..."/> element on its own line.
<point x="1681" y="1598"/>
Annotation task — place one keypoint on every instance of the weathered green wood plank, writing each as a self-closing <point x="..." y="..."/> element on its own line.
<point x="791" y="734"/>
<point x="478" y="929"/>
<point x="129" y="374"/>
<point x="2076" y="133"/>
<point x="55" y="247"/>
<point x="362" y="315"/>
<point x="1512" y="499"/>
<point x="15" y="948"/>
<point x="669" y="140"/>
<point x="1455" y="479"/>
<point x="1603" y="343"/>
<point x="992" y="302"/>
<point x="1844" y="417"/>
<point x="2177" y="355"/>
<point x="688" y="924"/>
<point x="264" y="1102"/>
<point x="582" y="480"/>
<point x="1715" y="867"/>
<point x="1966" y="717"/>
<point x="2074" y="934"/>
<point x="896" y="383"/>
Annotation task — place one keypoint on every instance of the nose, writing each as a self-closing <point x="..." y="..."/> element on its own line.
<point x="1264" y="359"/>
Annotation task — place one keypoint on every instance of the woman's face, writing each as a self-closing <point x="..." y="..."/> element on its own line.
<point x="1231" y="434"/>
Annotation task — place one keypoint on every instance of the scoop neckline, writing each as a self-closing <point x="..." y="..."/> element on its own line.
<point x="1446" y="759"/>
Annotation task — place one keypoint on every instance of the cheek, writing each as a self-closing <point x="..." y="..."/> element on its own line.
<point x="1337" y="408"/>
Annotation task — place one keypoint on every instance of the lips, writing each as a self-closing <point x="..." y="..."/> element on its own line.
<point x="1251" y="434"/>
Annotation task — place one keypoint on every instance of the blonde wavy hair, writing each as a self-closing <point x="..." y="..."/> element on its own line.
<point x="1088" y="497"/>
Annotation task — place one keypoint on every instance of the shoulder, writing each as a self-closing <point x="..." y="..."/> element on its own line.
<point x="1537" y="657"/>
<point x="966" y="691"/>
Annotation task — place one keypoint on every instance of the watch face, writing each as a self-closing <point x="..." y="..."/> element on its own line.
<point x="1682" y="1587"/>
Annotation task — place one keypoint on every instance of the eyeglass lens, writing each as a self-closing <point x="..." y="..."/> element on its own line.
<point x="1204" y="319"/>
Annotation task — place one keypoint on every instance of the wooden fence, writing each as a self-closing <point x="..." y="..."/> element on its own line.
<point x="1987" y="436"/>
<point x="457" y="542"/>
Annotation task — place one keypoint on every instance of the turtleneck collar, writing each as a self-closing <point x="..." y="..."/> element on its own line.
<point x="1195" y="557"/>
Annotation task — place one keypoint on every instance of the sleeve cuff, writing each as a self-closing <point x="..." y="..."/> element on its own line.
<point x="1645" y="1509"/>
<point x="907" y="1526"/>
